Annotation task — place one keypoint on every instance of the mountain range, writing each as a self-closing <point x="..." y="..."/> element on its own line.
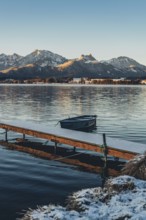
<point x="45" y="64"/>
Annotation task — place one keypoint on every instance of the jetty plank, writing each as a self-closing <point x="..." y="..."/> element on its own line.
<point x="88" y="141"/>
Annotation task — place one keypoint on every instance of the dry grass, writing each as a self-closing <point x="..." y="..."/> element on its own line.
<point x="136" y="167"/>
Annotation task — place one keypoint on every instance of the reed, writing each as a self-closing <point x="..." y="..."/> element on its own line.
<point x="136" y="167"/>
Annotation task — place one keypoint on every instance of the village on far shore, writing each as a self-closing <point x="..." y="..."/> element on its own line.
<point x="80" y="80"/>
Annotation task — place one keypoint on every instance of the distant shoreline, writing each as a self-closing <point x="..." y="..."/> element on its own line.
<point x="77" y="81"/>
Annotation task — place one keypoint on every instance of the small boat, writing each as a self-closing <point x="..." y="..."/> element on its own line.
<point x="80" y="123"/>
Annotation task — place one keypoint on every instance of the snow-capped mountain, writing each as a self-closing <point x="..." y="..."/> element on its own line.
<point x="7" y="61"/>
<point x="87" y="58"/>
<point x="77" y="64"/>
<point x="43" y="64"/>
<point x="38" y="57"/>
<point x="42" y="58"/>
<point x="83" y="61"/>
<point x="123" y="63"/>
<point x="88" y="66"/>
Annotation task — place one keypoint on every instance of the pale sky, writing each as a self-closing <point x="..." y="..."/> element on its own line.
<point x="105" y="28"/>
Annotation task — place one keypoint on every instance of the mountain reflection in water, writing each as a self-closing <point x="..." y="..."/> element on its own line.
<point x="27" y="181"/>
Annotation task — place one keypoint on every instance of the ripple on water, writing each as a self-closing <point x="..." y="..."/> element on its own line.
<point x="27" y="181"/>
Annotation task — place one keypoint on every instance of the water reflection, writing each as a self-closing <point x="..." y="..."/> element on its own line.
<point x="27" y="181"/>
<point x="121" y="109"/>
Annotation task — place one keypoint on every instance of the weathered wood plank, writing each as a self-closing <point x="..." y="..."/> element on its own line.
<point x="66" y="138"/>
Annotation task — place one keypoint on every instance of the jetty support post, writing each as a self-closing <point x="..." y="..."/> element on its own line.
<point x="23" y="137"/>
<point x="104" y="173"/>
<point x="105" y="150"/>
<point x="74" y="149"/>
<point x="6" y="135"/>
<point x="55" y="147"/>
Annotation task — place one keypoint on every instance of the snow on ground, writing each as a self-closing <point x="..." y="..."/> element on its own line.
<point x="122" y="198"/>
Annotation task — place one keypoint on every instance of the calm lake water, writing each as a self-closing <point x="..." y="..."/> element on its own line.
<point x="27" y="181"/>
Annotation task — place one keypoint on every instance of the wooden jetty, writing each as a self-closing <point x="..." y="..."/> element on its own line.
<point x="88" y="141"/>
<point x="82" y="160"/>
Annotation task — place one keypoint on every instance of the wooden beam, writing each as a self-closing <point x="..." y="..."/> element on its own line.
<point x="75" y="143"/>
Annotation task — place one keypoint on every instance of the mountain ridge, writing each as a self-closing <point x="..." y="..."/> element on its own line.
<point x="44" y="63"/>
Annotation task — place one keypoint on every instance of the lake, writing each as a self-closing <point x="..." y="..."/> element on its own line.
<point x="27" y="181"/>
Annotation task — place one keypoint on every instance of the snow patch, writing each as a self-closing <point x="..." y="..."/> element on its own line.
<point x="109" y="203"/>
